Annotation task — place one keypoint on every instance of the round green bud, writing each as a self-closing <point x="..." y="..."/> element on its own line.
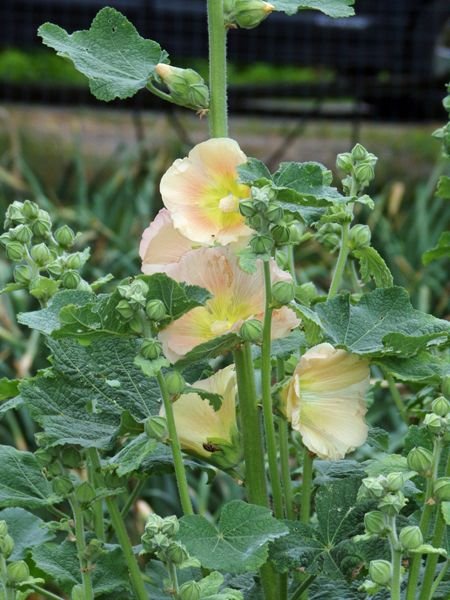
<point x="441" y="406"/>
<point x="364" y="173"/>
<point x="420" y="460"/>
<point x="55" y="268"/>
<point x="280" y="233"/>
<point x="156" y="428"/>
<point x="136" y="325"/>
<point x="442" y="489"/>
<point x="295" y="233"/>
<point x="17" y="572"/>
<point x="71" y="458"/>
<point x="283" y="292"/>
<point x="75" y="260"/>
<point x="395" y="481"/>
<point x="344" y="162"/>
<point x="411" y="537"/>
<point x="30" y="209"/>
<point x="156" y="310"/>
<point x="170" y="526"/>
<point x="190" y="591"/>
<point x="261" y="244"/>
<point x="247" y="208"/>
<point x="14" y="214"/>
<point x="153" y="524"/>
<point x="359" y="153"/>
<point x="369" y="587"/>
<point x="256" y="222"/>
<point x="65" y="236"/>
<point x="124" y="309"/>
<point x="360" y="237"/>
<point x="22" y="274"/>
<point x="151" y="349"/>
<point x="380" y="571"/>
<point x="175" y="383"/>
<point x="177" y="553"/>
<point x="274" y="213"/>
<point x="251" y="331"/>
<point x="3" y="529"/>
<point x="374" y="522"/>
<point x="186" y="86"/>
<point x="372" y="487"/>
<point x="15" y="251"/>
<point x="85" y="493"/>
<point x="41" y="254"/>
<point x="248" y="14"/>
<point x="62" y="486"/>
<point x="43" y="224"/>
<point x="71" y="280"/>
<point x="445" y="386"/>
<point x="435" y="424"/>
<point x="44" y="457"/>
<point x="77" y="593"/>
<point x="6" y="545"/>
<point x="22" y="233"/>
<point x="392" y="504"/>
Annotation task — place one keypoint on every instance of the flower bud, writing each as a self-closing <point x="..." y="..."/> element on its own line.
<point x="151" y="349"/>
<point x="177" y="553"/>
<point x="446" y="387"/>
<point x="170" y="526"/>
<point x="30" y="209"/>
<point x="136" y="325"/>
<point x="175" y="383"/>
<point x="256" y="222"/>
<point x="156" y="311"/>
<point x="62" y="486"/>
<point x="21" y="233"/>
<point x="186" y="86"/>
<point x="442" y="489"/>
<point x="124" y="309"/>
<point x="344" y="162"/>
<point x="153" y="525"/>
<point x="14" y="214"/>
<point x="85" y="493"/>
<point x="15" y="251"/>
<point x="17" y="572"/>
<point x="364" y="173"/>
<point x="374" y="522"/>
<point x="395" y="481"/>
<point x="296" y="232"/>
<point x="3" y="529"/>
<point x="283" y="292"/>
<point x="261" y="244"/>
<point x="41" y="254"/>
<point x="75" y="260"/>
<point x="6" y="545"/>
<point x="64" y="236"/>
<point x="441" y="406"/>
<point x="280" y="233"/>
<point x="247" y="208"/>
<point x="55" y="267"/>
<point x="22" y="274"/>
<point x="156" y="428"/>
<point x="71" y="280"/>
<point x="78" y="593"/>
<point x="274" y="213"/>
<point x="380" y="571"/>
<point x="420" y="460"/>
<point x="248" y="14"/>
<point x="190" y="591"/>
<point x="371" y="487"/>
<point x="411" y="537"/>
<point x="251" y="331"/>
<point x="360" y="236"/>
<point x="369" y="587"/>
<point x="359" y="153"/>
<point x="71" y="457"/>
<point x="435" y="424"/>
<point x="43" y="224"/>
<point x="392" y="504"/>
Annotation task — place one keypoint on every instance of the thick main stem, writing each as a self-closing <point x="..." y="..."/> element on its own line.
<point x="341" y="262"/>
<point x="266" y="377"/>
<point x="97" y="506"/>
<point x="217" y="34"/>
<point x="396" y="559"/>
<point x="305" y="505"/>
<point x="81" y="550"/>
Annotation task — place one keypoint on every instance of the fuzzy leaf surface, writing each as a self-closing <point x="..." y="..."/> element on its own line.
<point x="332" y="8"/>
<point x="26" y="529"/>
<point x="372" y="266"/>
<point x="46" y="320"/>
<point x="441" y="250"/>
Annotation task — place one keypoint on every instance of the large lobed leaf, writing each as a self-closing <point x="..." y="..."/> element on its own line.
<point x="117" y="61"/>
<point x="332" y="8"/>
<point x="27" y="531"/>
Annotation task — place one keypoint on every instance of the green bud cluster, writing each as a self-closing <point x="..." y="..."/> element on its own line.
<point x="186" y="86"/>
<point x="358" y="166"/>
<point x="6" y="541"/>
<point x="359" y="237"/>
<point x="158" y="539"/>
<point x="391" y="500"/>
<point x="329" y="235"/>
<point x="175" y="383"/>
<point x="17" y="573"/>
<point x="246" y="14"/>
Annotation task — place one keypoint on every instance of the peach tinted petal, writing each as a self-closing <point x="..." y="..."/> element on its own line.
<point x="182" y="335"/>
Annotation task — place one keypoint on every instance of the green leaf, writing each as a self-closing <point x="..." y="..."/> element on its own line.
<point x="296" y="551"/>
<point x="151" y="368"/>
<point x="22" y="483"/>
<point x="26" y="529"/>
<point x="117" y="61"/>
<point x="389" y="463"/>
<point x="284" y="347"/>
<point x="381" y="323"/>
<point x="238" y="543"/>
<point x="445" y="510"/>
<point x="12" y="404"/>
<point x="332" y="470"/>
<point x="82" y="398"/>
<point x="332" y="8"/>
<point x="9" y="388"/>
<point x="443" y="188"/>
<point x="215" y="400"/>
<point x="254" y="172"/>
<point x="441" y="250"/>
<point x="372" y="266"/>
<point x="46" y="320"/>
<point x="210" y="349"/>
<point x="424" y="368"/>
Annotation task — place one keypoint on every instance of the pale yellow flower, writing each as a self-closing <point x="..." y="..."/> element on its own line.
<point x="325" y="401"/>
<point x="236" y="297"/>
<point x="162" y="245"/>
<point x="202" y="193"/>
<point x="207" y="433"/>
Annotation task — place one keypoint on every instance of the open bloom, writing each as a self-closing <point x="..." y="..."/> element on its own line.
<point x="162" y="245"/>
<point x="236" y="297"/>
<point x="325" y="401"/>
<point x="207" y="433"/>
<point x="202" y="193"/>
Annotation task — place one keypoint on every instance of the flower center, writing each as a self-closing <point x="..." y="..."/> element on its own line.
<point x="219" y="327"/>
<point x="229" y="204"/>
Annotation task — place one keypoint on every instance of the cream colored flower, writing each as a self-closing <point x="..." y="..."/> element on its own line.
<point x="202" y="193"/>
<point x="325" y="401"/>
<point x="236" y="297"/>
<point x="207" y="433"/>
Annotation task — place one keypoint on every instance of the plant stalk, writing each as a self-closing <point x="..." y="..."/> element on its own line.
<point x="97" y="506"/>
<point x="217" y="35"/>
<point x="283" y="436"/>
<point x="81" y="549"/>
<point x="305" y="503"/>
<point x="396" y="559"/>
<point x="341" y="262"/>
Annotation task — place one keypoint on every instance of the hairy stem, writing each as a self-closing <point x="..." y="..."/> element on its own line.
<point x="217" y="34"/>
<point x="97" y="506"/>
<point x="283" y="435"/>
<point x="341" y="262"/>
<point x="396" y="559"/>
<point x="305" y="503"/>
<point x="81" y="549"/>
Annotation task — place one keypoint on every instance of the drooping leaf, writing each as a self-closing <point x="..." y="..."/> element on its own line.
<point x="82" y="398"/>
<point x="9" y="388"/>
<point x="254" y="172"/>
<point x="16" y="402"/>
<point x="331" y="470"/>
<point x="284" y="347"/>
<point x="332" y="8"/>
<point x="372" y="266"/>
<point x="238" y="543"/>
<point x="425" y="367"/>
<point x="26" y="529"/>
<point x="441" y="250"/>
<point x="381" y="323"/>
<point x="388" y="463"/>
<point x="117" y="61"/>
<point x="22" y="483"/>
<point x="210" y="349"/>
<point x="443" y="188"/>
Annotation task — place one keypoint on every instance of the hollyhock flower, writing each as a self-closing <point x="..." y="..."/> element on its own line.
<point x="162" y="245"/>
<point x="202" y="193"/>
<point x="325" y="401"/>
<point x="236" y="297"/>
<point x="207" y="433"/>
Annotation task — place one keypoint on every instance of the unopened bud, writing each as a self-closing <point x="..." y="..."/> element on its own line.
<point x="43" y="224"/>
<point x="374" y="522"/>
<point x="14" y="214"/>
<point x="420" y="460"/>
<point x="380" y="571"/>
<point x="30" y="209"/>
<point x="15" y="251"/>
<point x="55" y="268"/>
<point x="85" y="493"/>
<point x="186" y="86"/>
<point x="156" y="428"/>
<point x="280" y="233"/>
<point x="261" y="244"/>
<point x="21" y="233"/>
<point x="6" y="545"/>
<point x="3" y="529"/>
<point x="175" y="383"/>
<point x="124" y="309"/>
<point x="17" y="572"/>
<point x="151" y="349"/>
<point x="248" y="14"/>
<point x="364" y="173"/>
<point x="153" y="524"/>
<point x="411" y="537"/>
<point x="64" y="236"/>
<point x="283" y="292"/>
<point x="190" y="590"/>
<point x="442" y="489"/>
<point x="156" y="310"/>
<point x="41" y="254"/>
<point x="395" y="481"/>
<point x="71" y="280"/>
<point x="251" y="331"/>
<point x="78" y="593"/>
<point x="359" y="153"/>
<point x="22" y="274"/>
<point x="177" y="553"/>
<point x="371" y="487"/>
<point x="75" y="260"/>
<point x="170" y="526"/>
<point x="441" y="406"/>
<point x="360" y="237"/>
<point x="392" y="504"/>
<point x="435" y="424"/>
<point x="71" y="457"/>
<point x="62" y="486"/>
<point x="247" y="208"/>
<point x="295" y="233"/>
<point x="344" y="162"/>
<point x="274" y="213"/>
<point x="136" y="325"/>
